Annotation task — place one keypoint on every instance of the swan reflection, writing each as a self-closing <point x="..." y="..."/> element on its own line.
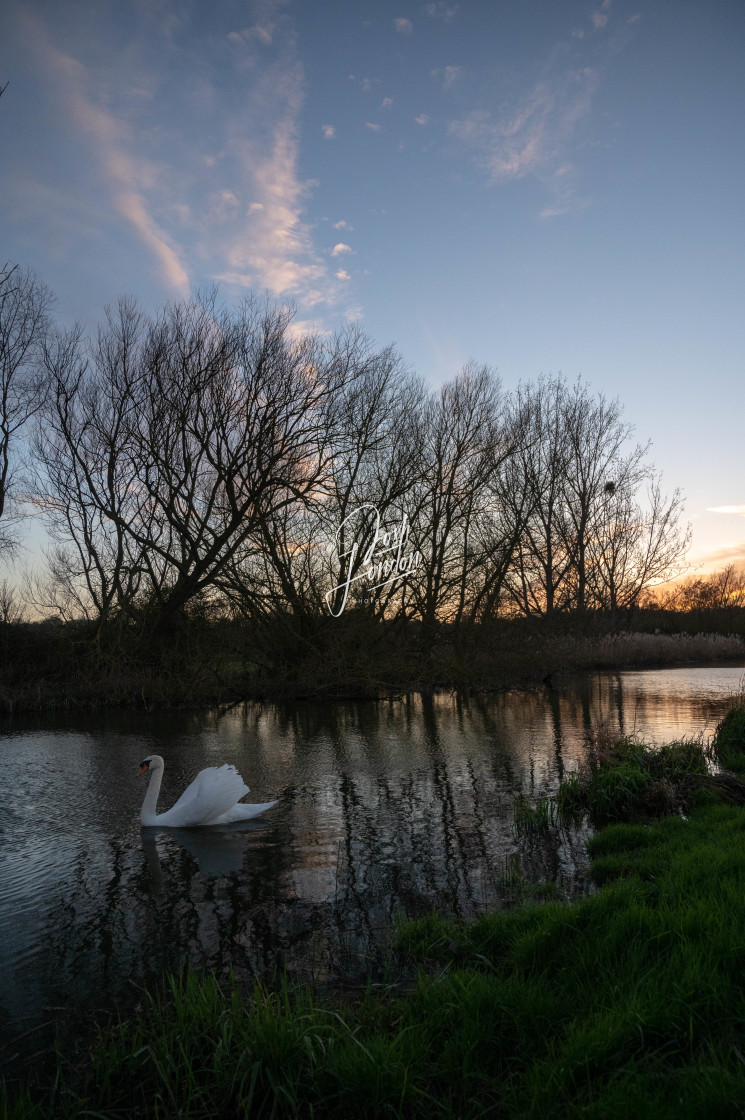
<point x="217" y="851"/>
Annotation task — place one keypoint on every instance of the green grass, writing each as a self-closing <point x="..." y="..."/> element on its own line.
<point x="627" y="1003"/>
<point x="632" y="995"/>
<point x="729" y="739"/>
<point x="629" y="780"/>
<point x="533" y="818"/>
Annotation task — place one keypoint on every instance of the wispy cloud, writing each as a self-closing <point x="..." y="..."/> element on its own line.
<point x="715" y="558"/>
<point x="727" y="509"/>
<point x="365" y="84"/>
<point x="532" y="137"/>
<point x="272" y="247"/>
<point x="448" y="74"/>
<point x="541" y="121"/>
<point x="126" y="177"/>
<point x="441" y="10"/>
<point x="340" y="248"/>
<point x="373" y="127"/>
<point x="403" y="26"/>
<point x="536" y="132"/>
<point x="600" y="18"/>
<point x="223" y="199"/>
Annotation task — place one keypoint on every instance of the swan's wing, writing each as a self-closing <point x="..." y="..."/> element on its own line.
<point x="212" y="793"/>
<point x="242" y="812"/>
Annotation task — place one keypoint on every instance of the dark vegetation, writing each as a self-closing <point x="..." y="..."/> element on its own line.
<point x="629" y="1002"/>
<point x="55" y="665"/>
<point x="228" y="502"/>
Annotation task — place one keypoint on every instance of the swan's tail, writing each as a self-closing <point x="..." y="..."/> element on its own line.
<point x="241" y="812"/>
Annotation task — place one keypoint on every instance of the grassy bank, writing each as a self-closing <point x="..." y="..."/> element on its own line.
<point x="47" y="667"/>
<point x="730" y="738"/>
<point x="629" y="1002"/>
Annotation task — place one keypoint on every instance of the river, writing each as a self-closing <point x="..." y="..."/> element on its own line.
<point x="384" y="808"/>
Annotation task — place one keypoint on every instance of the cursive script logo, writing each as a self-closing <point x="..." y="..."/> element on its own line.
<point x="384" y="561"/>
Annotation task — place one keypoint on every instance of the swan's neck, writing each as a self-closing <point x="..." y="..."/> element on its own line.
<point x="148" y="813"/>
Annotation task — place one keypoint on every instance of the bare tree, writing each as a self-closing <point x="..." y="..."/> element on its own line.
<point x="85" y="475"/>
<point x="463" y="444"/>
<point x="24" y="321"/>
<point x="169" y="442"/>
<point x="12" y="605"/>
<point x="297" y="562"/>
<point x="636" y="546"/>
<point x="214" y="460"/>
<point x="376" y="466"/>
<point x="597" y="463"/>
<point x="717" y="591"/>
<point x="539" y="582"/>
<point x="504" y="513"/>
<point x="585" y="539"/>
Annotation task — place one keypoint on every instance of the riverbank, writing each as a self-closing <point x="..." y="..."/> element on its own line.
<point x="46" y="668"/>
<point x="628" y="1002"/>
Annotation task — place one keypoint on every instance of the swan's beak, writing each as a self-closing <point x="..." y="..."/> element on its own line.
<point x="144" y="767"/>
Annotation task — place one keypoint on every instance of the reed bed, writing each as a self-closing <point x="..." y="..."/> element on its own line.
<point x="640" y="648"/>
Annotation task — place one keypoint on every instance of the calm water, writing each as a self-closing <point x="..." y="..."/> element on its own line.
<point x="384" y="807"/>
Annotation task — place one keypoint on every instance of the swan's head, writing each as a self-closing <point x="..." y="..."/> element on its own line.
<point x="152" y="762"/>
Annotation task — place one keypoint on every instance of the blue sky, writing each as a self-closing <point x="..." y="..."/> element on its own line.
<point x="540" y="185"/>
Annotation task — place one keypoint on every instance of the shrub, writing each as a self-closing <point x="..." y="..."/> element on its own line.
<point x="628" y="780"/>
<point x="729" y="739"/>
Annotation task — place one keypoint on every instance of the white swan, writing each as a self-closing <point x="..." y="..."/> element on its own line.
<point x="212" y="798"/>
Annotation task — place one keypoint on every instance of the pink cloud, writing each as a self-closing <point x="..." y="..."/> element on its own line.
<point x="126" y="176"/>
<point x="716" y="558"/>
<point x="235" y="213"/>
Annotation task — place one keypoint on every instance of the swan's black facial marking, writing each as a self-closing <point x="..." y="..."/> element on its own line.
<point x="144" y="766"/>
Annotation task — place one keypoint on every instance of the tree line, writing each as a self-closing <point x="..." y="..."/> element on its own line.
<point x="216" y="460"/>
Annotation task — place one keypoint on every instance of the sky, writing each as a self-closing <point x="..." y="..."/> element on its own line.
<point x="544" y="186"/>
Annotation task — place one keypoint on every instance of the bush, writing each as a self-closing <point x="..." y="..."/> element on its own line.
<point x="729" y="739"/>
<point x="628" y="780"/>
